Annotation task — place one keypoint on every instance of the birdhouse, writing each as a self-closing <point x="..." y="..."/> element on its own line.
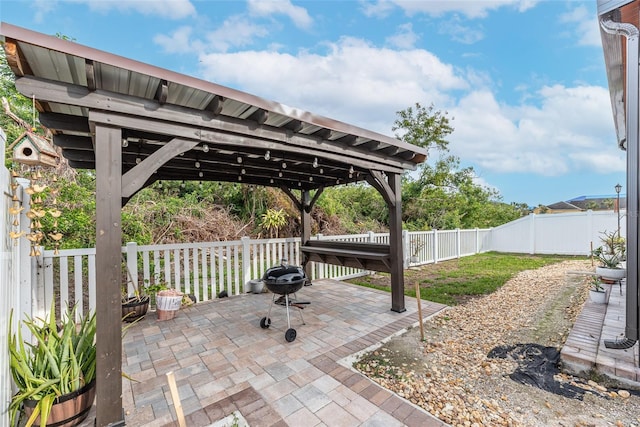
<point x="34" y="150"/>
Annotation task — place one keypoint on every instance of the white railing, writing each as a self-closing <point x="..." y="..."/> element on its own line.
<point x="8" y="289"/>
<point x="206" y="269"/>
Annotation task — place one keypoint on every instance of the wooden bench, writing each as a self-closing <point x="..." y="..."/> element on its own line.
<point x="367" y="256"/>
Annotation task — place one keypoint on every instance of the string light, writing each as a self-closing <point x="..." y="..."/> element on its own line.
<point x="200" y="174"/>
<point x="205" y="148"/>
<point x="197" y="164"/>
<point x="125" y="143"/>
<point x="315" y="162"/>
<point x="284" y="165"/>
<point x="239" y="159"/>
<point x="267" y="155"/>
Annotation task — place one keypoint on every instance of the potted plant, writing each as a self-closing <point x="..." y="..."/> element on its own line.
<point x="610" y="256"/>
<point x="55" y="376"/>
<point x="168" y="302"/>
<point x="597" y="294"/>
<point x="136" y="305"/>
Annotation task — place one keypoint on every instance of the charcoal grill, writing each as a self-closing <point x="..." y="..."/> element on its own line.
<point x="284" y="280"/>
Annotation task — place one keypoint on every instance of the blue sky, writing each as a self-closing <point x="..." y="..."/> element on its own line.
<point x="524" y="81"/>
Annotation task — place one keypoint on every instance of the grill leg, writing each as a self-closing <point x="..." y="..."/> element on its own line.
<point x="286" y="299"/>
<point x="300" y="310"/>
<point x="273" y="298"/>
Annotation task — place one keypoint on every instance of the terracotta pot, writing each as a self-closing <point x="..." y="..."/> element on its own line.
<point x="135" y="308"/>
<point x="166" y="314"/>
<point x="69" y="409"/>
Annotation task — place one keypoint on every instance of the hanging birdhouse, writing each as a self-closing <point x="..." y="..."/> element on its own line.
<point x="34" y="150"/>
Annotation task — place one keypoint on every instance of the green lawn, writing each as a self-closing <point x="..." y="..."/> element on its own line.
<point x="456" y="281"/>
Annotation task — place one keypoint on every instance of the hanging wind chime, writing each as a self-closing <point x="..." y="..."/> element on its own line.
<point x="34" y="151"/>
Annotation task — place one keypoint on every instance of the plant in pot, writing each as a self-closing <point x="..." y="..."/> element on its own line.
<point x="609" y="264"/>
<point x="55" y="376"/>
<point x="168" y="302"/>
<point x="135" y="305"/>
<point x="597" y="293"/>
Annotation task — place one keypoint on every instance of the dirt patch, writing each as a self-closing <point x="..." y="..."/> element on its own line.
<point x="451" y="375"/>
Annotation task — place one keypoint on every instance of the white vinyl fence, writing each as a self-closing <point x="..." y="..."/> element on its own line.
<point x="559" y="234"/>
<point x="208" y="268"/>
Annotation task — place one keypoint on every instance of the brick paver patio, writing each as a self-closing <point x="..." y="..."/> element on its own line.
<point x="224" y="362"/>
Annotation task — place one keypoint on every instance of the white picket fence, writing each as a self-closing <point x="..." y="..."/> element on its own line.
<point x="205" y="269"/>
<point x="8" y="288"/>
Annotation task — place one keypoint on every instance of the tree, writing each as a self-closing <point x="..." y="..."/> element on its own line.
<point x="444" y="196"/>
<point x="273" y="220"/>
<point x="423" y="127"/>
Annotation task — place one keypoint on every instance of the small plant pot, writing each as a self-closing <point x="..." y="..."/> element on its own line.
<point x="168" y="304"/>
<point x="256" y="286"/>
<point x="135" y="308"/>
<point x="598" y="297"/>
<point x="166" y="314"/>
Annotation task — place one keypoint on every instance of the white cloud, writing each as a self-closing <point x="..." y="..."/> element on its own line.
<point x="378" y="9"/>
<point x="553" y="131"/>
<point x="461" y="33"/>
<point x="570" y="130"/>
<point x="297" y="14"/>
<point x="172" y="9"/>
<point x="586" y="26"/>
<point x="179" y="41"/>
<point x="236" y="31"/>
<point x="404" y="38"/>
<point x="470" y="8"/>
<point x="42" y="8"/>
<point x="337" y="84"/>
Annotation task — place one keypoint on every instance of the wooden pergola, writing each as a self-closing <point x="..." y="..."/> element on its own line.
<point x="136" y="124"/>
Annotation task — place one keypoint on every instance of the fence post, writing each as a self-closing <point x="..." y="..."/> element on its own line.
<point x="435" y="246"/>
<point x="477" y="241"/>
<point x="246" y="261"/>
<point x="532" y="234"/>
<point x="458" y="249"/>
<point x="132" y="268"/>
<point x="406" y="244"/>
<point x="371" y="237"/>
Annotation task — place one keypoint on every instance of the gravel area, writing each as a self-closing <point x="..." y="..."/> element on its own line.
<point x="451" y="376"/>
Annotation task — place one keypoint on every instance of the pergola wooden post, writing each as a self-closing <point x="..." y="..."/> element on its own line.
<point x="395" y="241"/>
<point x="108" y="277"/>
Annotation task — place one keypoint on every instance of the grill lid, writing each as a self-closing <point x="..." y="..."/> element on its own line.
<point x="284" y="274"/>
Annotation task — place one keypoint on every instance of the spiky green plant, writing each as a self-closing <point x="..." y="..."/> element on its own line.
<point x="60" y="361"/>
